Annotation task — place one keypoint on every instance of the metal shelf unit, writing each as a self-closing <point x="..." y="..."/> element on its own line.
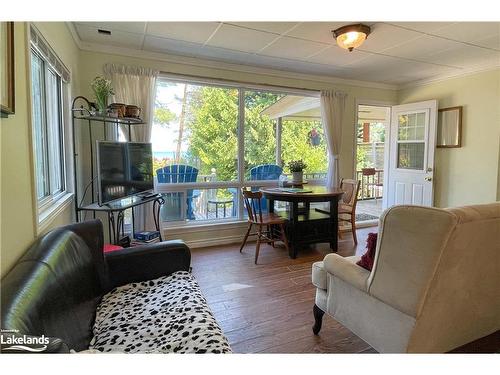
<point x="81" y="112"/>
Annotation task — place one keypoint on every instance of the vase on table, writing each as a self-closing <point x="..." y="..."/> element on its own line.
<point x="298" y="177"/>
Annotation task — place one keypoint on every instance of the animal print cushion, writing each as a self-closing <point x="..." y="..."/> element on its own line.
<point x="165" y="315"/>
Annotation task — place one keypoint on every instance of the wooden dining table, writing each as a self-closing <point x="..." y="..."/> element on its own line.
<point x="306" y="225"/>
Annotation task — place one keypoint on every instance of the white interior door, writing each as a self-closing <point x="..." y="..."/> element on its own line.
<point x="410" y="161"/>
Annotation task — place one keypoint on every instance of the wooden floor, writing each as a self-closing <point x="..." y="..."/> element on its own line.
<point x="267" y="308"/>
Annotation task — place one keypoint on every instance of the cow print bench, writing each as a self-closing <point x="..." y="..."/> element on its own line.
<point x="165" y="315"/>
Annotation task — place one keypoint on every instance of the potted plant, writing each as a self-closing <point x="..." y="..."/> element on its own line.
<point x="102" y="90"/>
<point x="297" y="168"/>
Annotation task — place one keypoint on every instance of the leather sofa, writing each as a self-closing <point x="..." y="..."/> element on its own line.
<point x="57" y="285"/>
<point x="434" y="285"/>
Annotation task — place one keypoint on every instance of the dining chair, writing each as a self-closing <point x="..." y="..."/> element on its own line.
<point x="347" y="204"/>
<point x="265" y="172"/>
<point x="266" y="223"/>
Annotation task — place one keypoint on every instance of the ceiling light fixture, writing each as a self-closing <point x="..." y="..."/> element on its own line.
<point x="351" y="36"/>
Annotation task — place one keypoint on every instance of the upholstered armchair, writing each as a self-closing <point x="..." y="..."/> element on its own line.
<point x="434" y="286"/>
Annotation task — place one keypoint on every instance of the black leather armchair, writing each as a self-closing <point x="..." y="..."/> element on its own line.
<point x="54" y="289"/>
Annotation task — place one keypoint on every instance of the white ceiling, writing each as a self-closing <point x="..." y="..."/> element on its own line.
<point x="394" y="53"/>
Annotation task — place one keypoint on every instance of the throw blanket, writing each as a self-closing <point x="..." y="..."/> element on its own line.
<point x="165" y="315"/>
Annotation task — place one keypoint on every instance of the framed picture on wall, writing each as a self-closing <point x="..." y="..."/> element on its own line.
<point x="449" y="130"/>
<point x="7" y="106"/>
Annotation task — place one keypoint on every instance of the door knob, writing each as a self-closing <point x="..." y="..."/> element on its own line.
<point x="428" y="179"/>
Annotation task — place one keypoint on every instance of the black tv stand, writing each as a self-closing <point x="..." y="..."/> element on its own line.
<point x="147" y="196"/>
<point x="118" y="207"/>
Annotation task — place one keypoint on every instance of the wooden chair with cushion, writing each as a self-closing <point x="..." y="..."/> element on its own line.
<point x="264" y="222"/>
<point x="347" y="204"/>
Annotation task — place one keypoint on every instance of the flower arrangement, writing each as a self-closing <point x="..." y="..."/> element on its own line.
<point x="297" y="165"/>
<point x="102" y="90"/>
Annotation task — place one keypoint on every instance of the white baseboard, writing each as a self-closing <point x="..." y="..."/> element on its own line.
<point x="228" y="240"/>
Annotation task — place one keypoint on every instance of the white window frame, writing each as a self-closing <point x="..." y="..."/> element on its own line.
<point x="240" y="182"/>
<point x="51" y="205"/>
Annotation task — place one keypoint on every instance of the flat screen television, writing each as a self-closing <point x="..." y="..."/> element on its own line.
<point x="123" y="169"/>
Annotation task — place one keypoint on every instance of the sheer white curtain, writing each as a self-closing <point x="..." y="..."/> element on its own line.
<point x="135" y="85"/>
<point x="332" y="113"/>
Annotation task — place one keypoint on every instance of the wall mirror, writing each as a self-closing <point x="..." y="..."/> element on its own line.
<point x="449" y="129"/>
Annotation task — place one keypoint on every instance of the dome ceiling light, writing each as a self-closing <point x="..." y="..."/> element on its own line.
<point x="351" y="36"/>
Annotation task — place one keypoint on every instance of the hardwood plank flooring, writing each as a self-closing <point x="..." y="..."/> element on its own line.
<point x="267" y="308"/>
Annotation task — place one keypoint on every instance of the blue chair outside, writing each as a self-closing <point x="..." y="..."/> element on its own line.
<point x="265" y="172"/>
<point x="179" y="173"/>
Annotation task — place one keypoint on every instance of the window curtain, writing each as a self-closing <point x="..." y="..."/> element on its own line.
<point x="332" y="113"/>
<point x="136" y="86"/>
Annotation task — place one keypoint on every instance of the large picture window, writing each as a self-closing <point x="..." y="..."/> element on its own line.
<point x="48" y="133"/>
<point x="211" y="139"/>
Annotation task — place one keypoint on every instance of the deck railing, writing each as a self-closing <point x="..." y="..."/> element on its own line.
<point x="208" y="188"/>
<point x="371" y="186"/>
<point x="310" y="176"/>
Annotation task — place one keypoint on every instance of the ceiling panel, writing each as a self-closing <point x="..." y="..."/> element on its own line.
<point x="293" y="65"/>
<point x="465" y="56"/>
<point x="240" y="39"/>
<point x="196" y="32"/>
<point x="421" y="47"/>
<point x="425" y="27"/>
<point x="130" y="27"/>
<point x="292" y="48"/>
<point x="156" y="44"/>
<point x="380" y="67"/>
<point x="317" y="31"/>
<point x="272" y="27"/>
<point x="492" y="41"/>
<point x="338" y="56"/>
<point x="420" y="72"/>
<point x="393" y="53"/>
<point x="385" y="36"/>
<point x="469" y="31"/>
<point x="405" y="72"/>
<point x="117" y="38"/>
